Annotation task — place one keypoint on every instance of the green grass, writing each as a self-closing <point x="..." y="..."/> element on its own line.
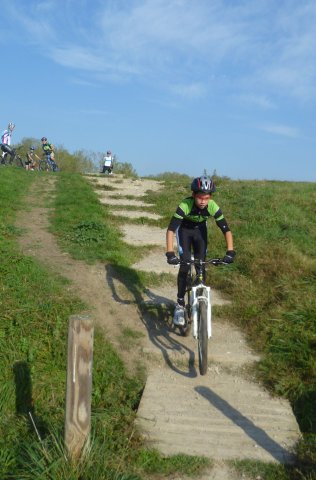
<point x="152" y="463"/>
<point x="263" y="471"/>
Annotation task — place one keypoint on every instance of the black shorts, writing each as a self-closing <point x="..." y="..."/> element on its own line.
<point x="6" y="148"/>
<point x="190" y="239"/>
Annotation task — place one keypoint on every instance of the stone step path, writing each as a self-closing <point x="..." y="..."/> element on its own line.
<point x="222" y="415"/>
<point x="135" y="187"/>
<point x="136" y="214"/>
<point x="106" y="199"/>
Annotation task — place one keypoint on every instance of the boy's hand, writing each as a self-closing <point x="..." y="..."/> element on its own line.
<point x="172" y="259"/>
<point x="229" y="257"/>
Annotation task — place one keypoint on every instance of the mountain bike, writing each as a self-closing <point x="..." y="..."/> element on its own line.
<point x="198" y="307"/>
<point x="11" y="157"/>
<point x="46" y="165"/>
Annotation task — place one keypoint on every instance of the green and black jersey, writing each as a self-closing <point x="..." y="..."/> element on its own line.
<point x="188" y="215"/>
<point x="47" y="148"/>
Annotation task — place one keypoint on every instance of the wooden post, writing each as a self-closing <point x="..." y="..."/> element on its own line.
<point x="79" y="384"/>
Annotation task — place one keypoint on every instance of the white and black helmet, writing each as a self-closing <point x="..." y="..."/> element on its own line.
<point x="11" y="126"/>
<point x="203" y="184"/>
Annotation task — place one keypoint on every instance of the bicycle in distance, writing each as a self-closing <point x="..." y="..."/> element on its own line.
<point x="11" y="157"/>
<point x="48" y="165"/>
<point x="198" y="307"/>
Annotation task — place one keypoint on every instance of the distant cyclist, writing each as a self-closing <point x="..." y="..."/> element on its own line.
<point x="108" y="163"/>
<point x="6" y="142"/>
<point x="189" y="224"/>
<point x="32" y="160"/>
<point x="49" y="153"/>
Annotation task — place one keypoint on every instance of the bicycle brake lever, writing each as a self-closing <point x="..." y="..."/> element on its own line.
<point x="217" y="261"/>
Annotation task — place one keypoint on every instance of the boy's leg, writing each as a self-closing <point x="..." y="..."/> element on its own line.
<point x="184" y="239"/>
<point x="200" y="245"/>
<point x="184" y="246"/>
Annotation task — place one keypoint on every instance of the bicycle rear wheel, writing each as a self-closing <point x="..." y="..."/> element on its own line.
<point x="202" y="337"/>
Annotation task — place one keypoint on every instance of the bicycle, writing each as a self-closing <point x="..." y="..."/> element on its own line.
<point x="11" y="157"/>
<point x="46" y="165"/>
<point x="198" y="308"/>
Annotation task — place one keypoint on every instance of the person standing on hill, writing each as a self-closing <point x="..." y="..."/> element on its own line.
<point x="189" y="225"/>
<point x="49" y="153"/>
<point x="6" y="142"/>
<point x="108" y="163"/>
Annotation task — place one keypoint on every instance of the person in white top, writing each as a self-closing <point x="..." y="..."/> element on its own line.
<point x="6" y="142"/>
<point x="108" y="163"/>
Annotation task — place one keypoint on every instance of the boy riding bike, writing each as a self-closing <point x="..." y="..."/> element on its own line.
<point x="48" y="150"/>
<point x="189" y="225"/>
<point x="32" y="160"/>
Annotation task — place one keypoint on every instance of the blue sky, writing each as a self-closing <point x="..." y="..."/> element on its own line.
<point x="167" y="85"/>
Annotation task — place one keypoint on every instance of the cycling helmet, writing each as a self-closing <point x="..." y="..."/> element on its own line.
<point x="203" y="184"/>
<point x="11" y="126"/>
<point x="43" y="139"/>
<point x="32" y="148"/>
<point x="108" y="152"/>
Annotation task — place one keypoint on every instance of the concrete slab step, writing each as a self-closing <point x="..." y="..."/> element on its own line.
<point x="216" y="416"/>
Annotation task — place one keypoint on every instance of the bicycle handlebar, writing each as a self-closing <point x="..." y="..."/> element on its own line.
<point x="214" y="261"/>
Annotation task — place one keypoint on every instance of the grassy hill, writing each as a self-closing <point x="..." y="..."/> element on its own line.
<point x="272" y="285"/>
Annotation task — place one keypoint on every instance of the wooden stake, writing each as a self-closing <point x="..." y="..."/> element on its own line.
<point x="79" y="384"/>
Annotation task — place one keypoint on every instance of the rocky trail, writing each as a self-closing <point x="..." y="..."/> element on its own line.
<point x="223" y="415"/>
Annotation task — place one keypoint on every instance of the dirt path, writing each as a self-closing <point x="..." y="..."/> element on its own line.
<point x="223" y="415"/>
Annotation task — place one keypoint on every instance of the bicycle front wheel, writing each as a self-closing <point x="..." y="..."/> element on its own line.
<point x="44" y="166"/>
<point x="18" y="162"/>
<point x="202" y="337"/>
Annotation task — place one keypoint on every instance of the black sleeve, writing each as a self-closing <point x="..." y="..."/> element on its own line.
<point x="218" y="214"/>
<point x="222" y="224"/>
<point x="176" y="220"/>
<point x="174" y="224"/>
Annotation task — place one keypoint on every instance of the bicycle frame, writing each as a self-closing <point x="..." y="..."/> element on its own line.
<point x="198" y="292"/>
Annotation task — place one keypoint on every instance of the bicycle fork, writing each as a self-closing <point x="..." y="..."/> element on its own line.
<point x="198" y="293"/>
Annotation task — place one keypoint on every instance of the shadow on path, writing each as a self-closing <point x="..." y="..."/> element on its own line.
<point x="155" y="316"/>
<point x="257" y="434"/>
